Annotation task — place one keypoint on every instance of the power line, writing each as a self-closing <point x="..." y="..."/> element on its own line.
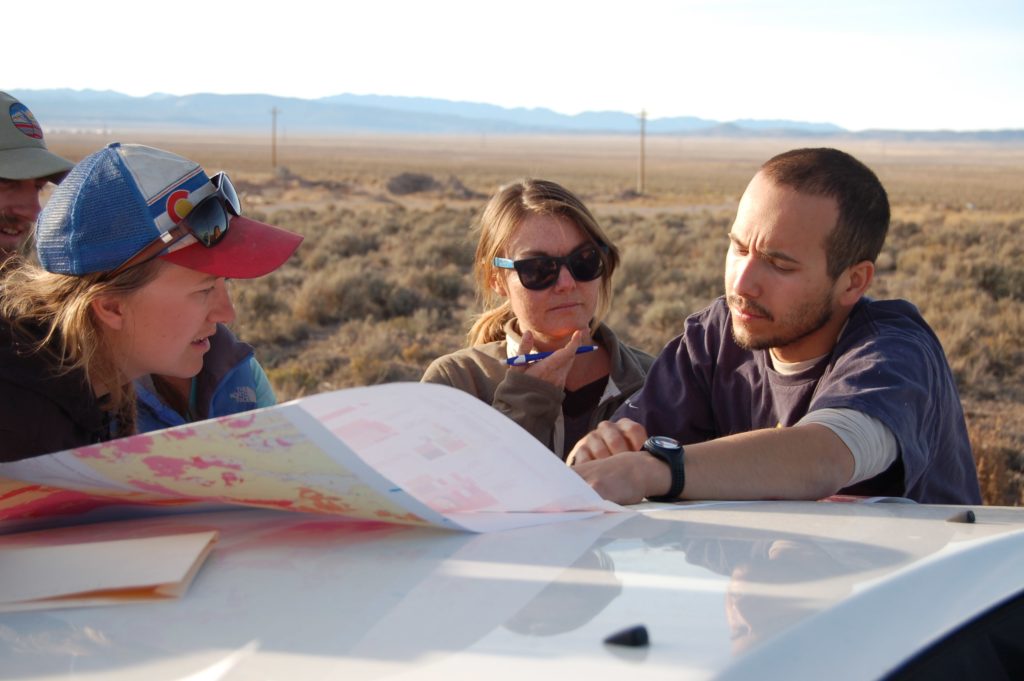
<point x="273" y="137"/>
<point x="641" y="169"/>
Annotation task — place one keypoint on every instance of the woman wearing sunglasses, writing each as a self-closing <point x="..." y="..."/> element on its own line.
<point x="544" y="270"/>
<point x="136" y="247"/>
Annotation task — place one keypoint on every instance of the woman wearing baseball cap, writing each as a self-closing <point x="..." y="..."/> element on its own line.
<point x="136" y="245"/>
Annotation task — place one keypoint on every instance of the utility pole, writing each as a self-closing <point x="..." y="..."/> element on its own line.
<point x="273" y="137"/>
<point x="640" y="170"/>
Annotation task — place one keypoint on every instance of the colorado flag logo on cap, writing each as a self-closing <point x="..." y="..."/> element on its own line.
<point x="179" y="205"/>
<point x="25" y="122"/>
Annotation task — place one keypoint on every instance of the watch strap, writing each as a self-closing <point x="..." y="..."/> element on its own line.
<point x="678" y="472"/>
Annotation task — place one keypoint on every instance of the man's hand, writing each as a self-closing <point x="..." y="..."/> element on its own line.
<point x="607" y="439"/>
<point x="627" y="477"/>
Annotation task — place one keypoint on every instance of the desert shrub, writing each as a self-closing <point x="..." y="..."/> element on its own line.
<point x="260" y="303"/>
<point x="457" y="251"/>
<point x="387" y="222"/>
<point x="638" y="269"/>
<point x="342" y="295"/>
<point x="411" y="183"/>
<point x="400" y="302"/>
<point x="900" y="230"/>
<point x="1000" y="474"/>
<point x="885" y="262"/>
<point x="999" y="281"/>
<point x="665" y="316"/>
<point x="627" y="308"/>
<point x="446" y="285"/>
<point x="295" y="379"/>
<point x="996" y="430"/>
<point x="349" y="245"/>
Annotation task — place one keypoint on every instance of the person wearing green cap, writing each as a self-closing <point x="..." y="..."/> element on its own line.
<point x="26" y="166"/>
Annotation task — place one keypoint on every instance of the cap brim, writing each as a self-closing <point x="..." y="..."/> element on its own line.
<point x="31" y="163"/>
<point x="249" y="249"/>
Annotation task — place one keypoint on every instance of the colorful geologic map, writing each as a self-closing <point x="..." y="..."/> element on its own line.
<point x="403" y="453"/>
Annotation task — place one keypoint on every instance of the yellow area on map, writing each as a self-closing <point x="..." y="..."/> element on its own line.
<point x="250" y="459"/>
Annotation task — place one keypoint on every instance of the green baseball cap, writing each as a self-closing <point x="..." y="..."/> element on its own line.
<point x="23" y="153"/>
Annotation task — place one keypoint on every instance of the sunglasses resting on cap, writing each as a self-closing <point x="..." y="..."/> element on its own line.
<point x="128" y="203"/>
<point x="586" y="263"/>
<point x="208" y="222"/>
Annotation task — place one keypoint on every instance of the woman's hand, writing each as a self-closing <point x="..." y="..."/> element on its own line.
<point x="554" y="369"/>
<point x="608" y="439"/>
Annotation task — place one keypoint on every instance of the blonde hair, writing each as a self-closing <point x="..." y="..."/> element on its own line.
<point x="506" y="210"/>
<point x="61" y="305"/>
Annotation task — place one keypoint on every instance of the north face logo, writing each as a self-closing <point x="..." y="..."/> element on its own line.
<point x="244" y="394"/>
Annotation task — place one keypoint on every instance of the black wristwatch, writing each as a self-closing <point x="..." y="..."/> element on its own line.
<point x="671" y="452"/>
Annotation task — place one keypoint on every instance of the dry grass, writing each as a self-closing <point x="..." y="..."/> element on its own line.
<point x="381" y="286"/>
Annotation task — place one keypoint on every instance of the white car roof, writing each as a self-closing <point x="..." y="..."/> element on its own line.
<point x="786" y="590"/>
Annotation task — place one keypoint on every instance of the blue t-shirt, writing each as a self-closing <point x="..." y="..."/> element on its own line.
<point x="887" y="364"/>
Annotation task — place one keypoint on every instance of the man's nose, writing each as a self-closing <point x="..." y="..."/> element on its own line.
<point x="24" y="200"/>
<point x="746" y="277"/>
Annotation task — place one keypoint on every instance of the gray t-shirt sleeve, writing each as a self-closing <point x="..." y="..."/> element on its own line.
<point x="870" y="441"/>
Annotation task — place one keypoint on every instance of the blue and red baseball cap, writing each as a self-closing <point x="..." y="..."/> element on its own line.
<point x="123" y="198"/>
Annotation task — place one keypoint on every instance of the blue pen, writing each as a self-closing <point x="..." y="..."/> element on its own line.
<point x="520" y="360"/>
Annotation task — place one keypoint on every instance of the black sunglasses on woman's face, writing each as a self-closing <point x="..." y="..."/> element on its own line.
<point x="586" y="263"/>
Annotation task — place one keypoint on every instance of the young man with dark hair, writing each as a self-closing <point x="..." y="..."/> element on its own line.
<point x="794" y="384"/>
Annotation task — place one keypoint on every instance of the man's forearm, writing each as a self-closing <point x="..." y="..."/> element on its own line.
<point x="802" y="462"/>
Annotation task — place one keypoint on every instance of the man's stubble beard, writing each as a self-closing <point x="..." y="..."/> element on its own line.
<point x="803" y="322"/>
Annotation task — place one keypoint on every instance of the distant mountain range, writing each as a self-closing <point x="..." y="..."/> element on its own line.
<point x="66" y="109"/>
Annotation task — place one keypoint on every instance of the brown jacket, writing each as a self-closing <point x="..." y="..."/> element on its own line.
<point x="534" y="404"/>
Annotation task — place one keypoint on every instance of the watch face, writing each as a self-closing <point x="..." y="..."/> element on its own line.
<point x="664" y="442"/>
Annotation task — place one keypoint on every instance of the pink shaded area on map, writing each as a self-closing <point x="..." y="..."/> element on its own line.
<point x="154" y="488"/>
<point x="204" y="478"/>
<point x="55" y="502"/>
<point x="283" y="504"/>
<point x="242" y="420"/>
<point x="402" y="517"/>
<point x="179" y="433"/>
<point x="362" y="433"/>
<point x="318" y="502"/>
<point x="457" y="493"/>
<point x="40" y="501"/>
<point x="116" y="449"/>
<point x="169" y="467"/>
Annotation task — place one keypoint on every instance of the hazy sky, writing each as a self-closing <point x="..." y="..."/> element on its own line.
<point x="860" y="63"/>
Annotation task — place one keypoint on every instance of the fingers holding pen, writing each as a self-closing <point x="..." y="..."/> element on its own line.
<point x="526" y="344"/>
<point x="555" y="368"/>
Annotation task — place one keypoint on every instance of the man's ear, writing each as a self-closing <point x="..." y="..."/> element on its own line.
<point x="855" y="282"/>
<point x="109" y="310"/>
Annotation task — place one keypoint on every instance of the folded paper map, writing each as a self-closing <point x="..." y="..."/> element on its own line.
<point x="41" y="570"/>
<point x="411" y="453"/>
